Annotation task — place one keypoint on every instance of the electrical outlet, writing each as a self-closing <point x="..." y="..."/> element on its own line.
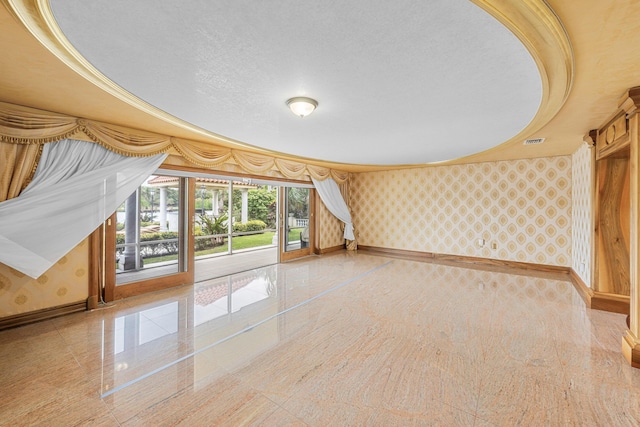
<point x="494" y="245"/>
<point x="481" y="243"/>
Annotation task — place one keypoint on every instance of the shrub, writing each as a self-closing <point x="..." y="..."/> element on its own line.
<point x="167" y="245"/>
<point x="202" y="244"/>
<point x="253" y="225"/>
<point x="262" y="203"/>
<point x="256" y="225"/>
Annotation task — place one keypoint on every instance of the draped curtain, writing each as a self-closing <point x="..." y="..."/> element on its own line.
<point x="27" y="126"/>
<point x="17" y="166"/>
<point x="27" y="133"/>
<point x="334" y="201"/>
<point x="77" y="185"/>
<point x="352" y="245"/>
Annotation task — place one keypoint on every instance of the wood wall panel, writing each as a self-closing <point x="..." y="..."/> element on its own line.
<point x="613" y="226"/>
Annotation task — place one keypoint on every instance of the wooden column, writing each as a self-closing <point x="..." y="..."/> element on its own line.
<point x="631" y="340"/>
<point x="611" y="274"/>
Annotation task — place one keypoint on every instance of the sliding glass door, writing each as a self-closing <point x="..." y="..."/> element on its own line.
<point x="149" y="238"/>
<point x="296" y="222"/>
<point x="179" y="228"/>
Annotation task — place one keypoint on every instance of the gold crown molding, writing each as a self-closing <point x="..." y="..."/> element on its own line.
<point x="532" y="21"/>
<point x="37" y="17"/>
<point x="539" y="29"/>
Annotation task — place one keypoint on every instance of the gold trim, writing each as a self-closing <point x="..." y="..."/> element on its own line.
<point x="532" y="21"/>
<point x="37" y="17"/>
<point x="41" y="141"/>
<point x="539" y="29"/>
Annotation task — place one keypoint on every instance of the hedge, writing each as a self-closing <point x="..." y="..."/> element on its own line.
<point x="170" y="247"/>
<point x="253" y="225"/>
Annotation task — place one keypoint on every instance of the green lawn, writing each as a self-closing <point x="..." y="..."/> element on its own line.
<point x="239" y="242"/>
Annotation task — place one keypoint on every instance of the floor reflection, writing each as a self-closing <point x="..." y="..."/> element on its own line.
<point x="343" y="339"/>
<point x="229" y="294"/>
<point x="195" y="321"/>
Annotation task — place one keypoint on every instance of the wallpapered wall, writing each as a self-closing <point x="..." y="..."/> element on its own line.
<point x="523" y="206"/>
<point x="65" y="283"/>
<point x="330" y="228"/>
<point x="582" y="202"/>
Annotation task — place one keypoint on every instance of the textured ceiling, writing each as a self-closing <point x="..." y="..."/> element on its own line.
<point x="587" y="53"/>
<point x="397" y="82"/>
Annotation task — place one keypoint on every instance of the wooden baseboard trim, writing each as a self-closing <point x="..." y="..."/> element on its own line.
<point x="398" y="253"/>
<point x="631" y="350"/>
<point x="480" y="262"/>
<point x="585" y="292"/>
<point x="610" y="302"/>
<point x="595" y="300"/>
<point x="331" y="249"/>
<point x="600" y="300"/>
<point x="40" y="315"/>
<point x="503" y="263"/>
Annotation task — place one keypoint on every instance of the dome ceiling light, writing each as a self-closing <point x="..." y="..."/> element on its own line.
<point x="302" y="106"/>
<point x="213" y="81"/>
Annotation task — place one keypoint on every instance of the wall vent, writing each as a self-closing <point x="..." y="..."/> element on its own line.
<point x="533" y="141"/>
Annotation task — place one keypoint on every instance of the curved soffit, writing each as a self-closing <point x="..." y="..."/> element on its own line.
<point x="394" y="87"/>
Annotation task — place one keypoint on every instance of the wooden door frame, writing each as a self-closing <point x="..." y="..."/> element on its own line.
<point x="284" y="256"/>
<point x="187" y="260"/>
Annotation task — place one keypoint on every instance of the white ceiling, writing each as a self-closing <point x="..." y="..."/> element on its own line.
<point x="401" y="82"/>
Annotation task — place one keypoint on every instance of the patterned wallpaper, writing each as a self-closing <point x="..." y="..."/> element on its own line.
<point x="65" y="283"/>
<point x="521" y="206"/>
<point x="582" y="200"/>
<point x="330" y="228"/>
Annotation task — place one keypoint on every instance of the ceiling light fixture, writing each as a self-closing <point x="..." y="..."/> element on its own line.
<point x="302" y="106"/>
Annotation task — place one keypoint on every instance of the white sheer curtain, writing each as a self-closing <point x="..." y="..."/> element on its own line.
<point x="332" y="199"/>
<point x="77" y="185"/>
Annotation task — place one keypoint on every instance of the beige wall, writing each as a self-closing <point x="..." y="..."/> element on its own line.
<point x="331" y="234"/>
<point x="65" y="283"/>
<point x="582" y="212"/>
<point x="523" y="206"/>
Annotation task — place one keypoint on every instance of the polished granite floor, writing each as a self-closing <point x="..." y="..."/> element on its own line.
<point x="338" y="340"/>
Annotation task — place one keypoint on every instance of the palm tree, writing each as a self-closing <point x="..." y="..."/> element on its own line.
<point x="215" y="227"/>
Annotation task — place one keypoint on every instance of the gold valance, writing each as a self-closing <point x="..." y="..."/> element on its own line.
<point x="206" y="157"/>
<point x="30" y="126"/>
<point x="125" y="141"/>
<point x="23" y="125"/>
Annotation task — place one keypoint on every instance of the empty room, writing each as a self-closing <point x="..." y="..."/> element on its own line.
<point x="319" y="213"/>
